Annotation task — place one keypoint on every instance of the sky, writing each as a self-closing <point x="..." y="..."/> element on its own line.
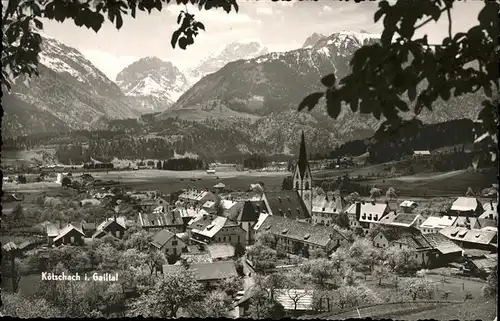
<point x="280" y="26"/>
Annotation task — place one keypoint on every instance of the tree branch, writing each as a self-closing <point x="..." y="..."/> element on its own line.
<point x="427" y="21"/>
<point x="448" y="11"/>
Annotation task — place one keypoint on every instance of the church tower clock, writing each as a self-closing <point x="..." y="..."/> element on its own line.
<point x="302" y="178"/>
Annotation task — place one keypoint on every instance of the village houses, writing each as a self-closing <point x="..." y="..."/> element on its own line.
<point x="168" y="243"/>
<point x="210" y="229"/>
<point x="298" y="237"/>
<point x="366" y="214"/>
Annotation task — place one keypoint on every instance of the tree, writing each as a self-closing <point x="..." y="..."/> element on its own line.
<point x="375" y="193"/>
<point x="390" y="194"/>
<point x="216" y="304"/>
<point x="321" y="271"/>
<point x="401" y="64"/>
<point x="418" y="288"/>
<point x="352" y="296"/>
<point x="295" y="295"/>
<point x="287" y="184"/>
<point x="139" y="240"/>
<point x="262" y="305"/>
<point x="353" y="197"/>
<point x="18" y="306"/>
<point x="170" y="293"/>
<point x="402" y="260"/>
<point x="155" y="261"/>
<point x="470" y="192"/>
<point x="381" y="272"/>
<point x="21" y="23"/>
<point x="490" y="289"/>
<point x="362" y="254"/>
<point x="230" y="285"/>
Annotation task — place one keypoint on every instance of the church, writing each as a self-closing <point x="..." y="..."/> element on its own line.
<point x="302" y="177"/>
<point x="297" y="203"/>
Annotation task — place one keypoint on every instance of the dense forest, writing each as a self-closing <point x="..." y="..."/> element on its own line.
<point x="215" y="140"/>
<point x="410" y="136"/>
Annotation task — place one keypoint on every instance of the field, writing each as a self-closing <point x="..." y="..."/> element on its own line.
<point x="451" y="184"/>
<point x="453" y="308"/>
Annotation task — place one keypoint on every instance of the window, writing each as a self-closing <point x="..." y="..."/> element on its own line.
<point x="296" y="185"/>
<point x="307" y="185"/>
<point x="174" y="242"/>
<point x="72" y="239"/>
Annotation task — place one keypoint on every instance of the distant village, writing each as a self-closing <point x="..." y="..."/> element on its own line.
<point x="218" y="234"/>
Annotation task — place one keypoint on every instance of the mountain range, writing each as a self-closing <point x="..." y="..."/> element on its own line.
<point x="244" y="86"/>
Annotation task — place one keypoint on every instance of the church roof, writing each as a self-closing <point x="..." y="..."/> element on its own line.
<point x="302" y="164"/>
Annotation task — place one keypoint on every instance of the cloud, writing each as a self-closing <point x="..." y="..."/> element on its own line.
<point x="215" y="15"/>
<point x="267" y="11"/>
<point x="108" y="63"/>
<point x="326" y="9"/>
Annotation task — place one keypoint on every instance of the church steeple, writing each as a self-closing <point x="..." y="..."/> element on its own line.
<point x="302" y="164"/>
<point x="302" y="178"/>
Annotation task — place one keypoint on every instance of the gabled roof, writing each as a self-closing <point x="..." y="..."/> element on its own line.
<point x="190" y="211"/>
<point x="287" y="203"/>
<point x="465" y="221"/>
<point x="209" y="225"/>
<point x="415" y="241"/>
<point x="206" y="271"/>
<point x="490" y="206"/>
<point x="407" y="204"/>
<point x="438" y="222"/>
<point x="243" y="196"/>
<point x="161" y="238"/>
<point x="66" y="230"/>
<point x="369" y="208"/>
<point x="324" y="204"/>
<point x="160" y="219"/>
<point x="472" y="236"/>
<point x="111" y="220"/>
<point x="220" y="251"/>
<point x="301" y="231"/>
<point x="251" y="211"/>
<point x="194" y="195"/>
<point x="400" y="219"/>
<point x="464" y="204"/>
<point x="489" y="214"/>
<point x="442" y="243"/>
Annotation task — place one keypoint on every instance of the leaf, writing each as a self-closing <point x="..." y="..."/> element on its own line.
<point x="200" y="25"/>
<point x="119" y="21"/>
<point x="38" y="24"/>
<point x="179" y="17"/>
<point x="333" y="105"/>
<point x="310" y="101"/>
<point x="175" y="36"/>
<point x="183" y="42"/>
<point x="487" y="90"/>
<point x="378" y="15"/>
<point x="328" y="80"/>
<point x="412" y="93"/>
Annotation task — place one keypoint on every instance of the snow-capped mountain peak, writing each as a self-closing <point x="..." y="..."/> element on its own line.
<point x="242" y="49"/>
<point x="154" y="83"/>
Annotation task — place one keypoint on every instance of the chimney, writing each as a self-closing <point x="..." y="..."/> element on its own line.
<point x="358" y="209"/>
<point x="491" y="204"/>
<point x="387" y="203"/>
<point x="114" y="217"/>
